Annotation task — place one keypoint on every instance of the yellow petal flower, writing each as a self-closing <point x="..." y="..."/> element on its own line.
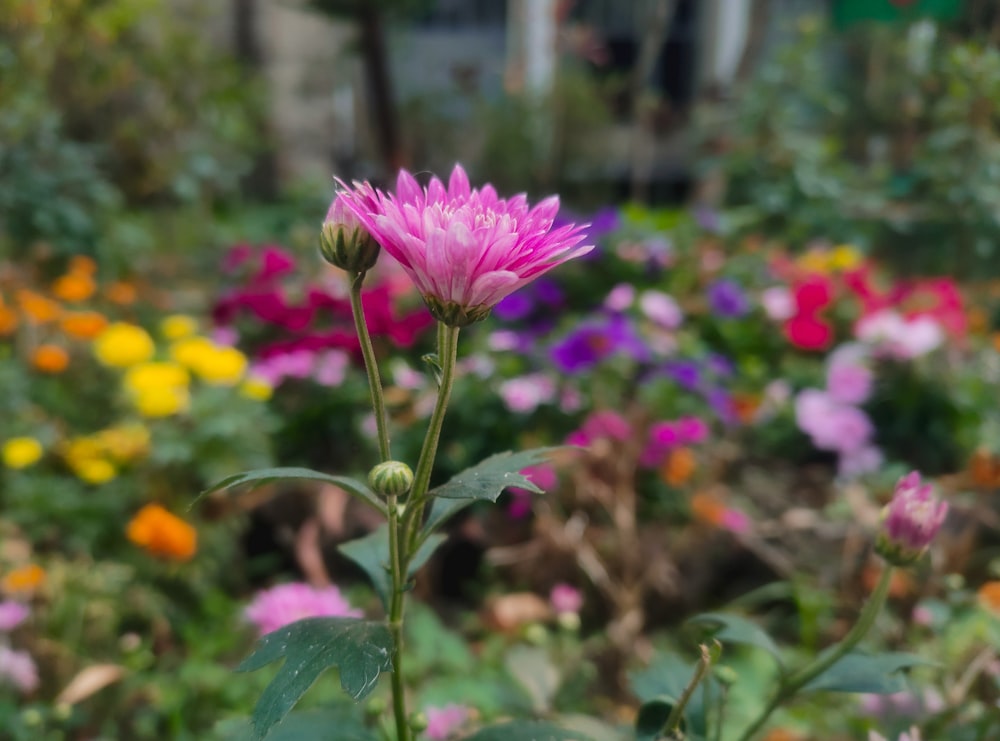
<point x="21" y="452"/>
<point x="122" y="345"/>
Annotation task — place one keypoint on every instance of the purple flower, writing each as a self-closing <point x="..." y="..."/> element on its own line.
<point x="910" y="521"/>
<point x="727" y="299"/>
<point x="12" y="614"/>
<point x="515" y="306"/>
<point x="594" y="341"/>
<point x="18" y="669"/>
<point x="443" y="722"/>
<point x="720" y="365"/>
<point x="286" y="603"/>
<point x="722" y="404"/>
<point x="686" y="373"/>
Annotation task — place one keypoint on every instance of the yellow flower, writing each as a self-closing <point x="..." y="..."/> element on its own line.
<point x="23" y="579"/>
<point x="21" y="452"/>
<point x="124" y="443"/>
<point x="162" y="402"/>
<point x="178" y="326"/>
<point x="844" y="257"/>
<point x="122" y="345"/>
<point x="815" y="261"/>
<point x="95" y="470"/>
<point x="256" y="389"/>
<point x="220" y="366"/>
<point x="162" y="533"/>
<point x="151" y="376"/>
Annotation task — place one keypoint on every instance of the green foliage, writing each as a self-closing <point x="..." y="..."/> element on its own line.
<point x="735" y="629"/>
<point x="360" y="649"/>
<point x="526" y="731"/>
<point x="371" y="553"/>
<point x="269" y="475"/>
<point x="488" y="479"/>
<point x="858" y="672"/>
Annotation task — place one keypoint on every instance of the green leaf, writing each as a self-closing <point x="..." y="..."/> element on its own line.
<point x="869" y="673"/>
<point x="526" y="730"/>
<point x="266" y="475"/>
<point x="668" y="676"/>
<point x="360" y="649"/>
<point x="441" y="510"/>
<point x="315" y="725"/>
<point x="487" y="479"/>
<point x="652" y="717"/>
<point x="735" y="629"/>
<point x="371" y="553"/>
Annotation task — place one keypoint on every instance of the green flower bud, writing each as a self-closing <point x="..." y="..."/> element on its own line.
<point x="391" y="479"/>
<point x="344" y="242"/>
<point x="418" y="722"/>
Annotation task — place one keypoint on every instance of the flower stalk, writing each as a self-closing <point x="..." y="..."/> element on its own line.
<point x="371" y="365"/>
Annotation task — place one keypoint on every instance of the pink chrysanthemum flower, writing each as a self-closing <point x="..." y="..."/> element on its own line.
<point x="443" y="722"/>
<point x="277" y="607"/>
<point x="910" y="521"/>
<point x="464" y="248"/>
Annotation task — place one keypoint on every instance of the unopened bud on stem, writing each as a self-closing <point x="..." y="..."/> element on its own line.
<point x="344" y="242"/>
<point x="391" y="479"/>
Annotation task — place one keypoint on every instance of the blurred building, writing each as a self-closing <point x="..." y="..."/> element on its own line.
<point x="454" y="51"/>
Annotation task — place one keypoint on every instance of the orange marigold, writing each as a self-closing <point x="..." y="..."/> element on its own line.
<point x="24" y="579"/>
<point x="83" y="265"/>
<point x="121" y="292"/>
<point x="74" y="287"/>
<point x="706" y="508"/>
<point x="163" y="534"/>
<point x="50" y="359"/>
<point x="989" y="596"/>
<point x="679" y="466"/>
<point x="38" y="308"/>
<point x="84" y="325"/>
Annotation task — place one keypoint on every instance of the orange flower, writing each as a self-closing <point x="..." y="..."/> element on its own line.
<point x="745" y="406"/>
<point x="989" y="596"/>
<point x="996" y="341"/>
<point x="82" y="265"/>
<point x="24" y="579"/>
<point x="977" y="320"/>
<point x="984" y="469"/>
<point x="679" y="466"/>
<point x="122" y="292"/>
<point x="84" y="325"/>
<point x="782" y="734"/>
<point x="74" y="287"/>
<point x="706" y="508"/>
<point x="38" y="308"/>
<point x="50" y="359"/>
<point x="8" y="320"/>
<point x="162" y="533"/>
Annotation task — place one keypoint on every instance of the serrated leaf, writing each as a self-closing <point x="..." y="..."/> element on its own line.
<point x="651" y="718"/>
<point x="360" y="649"/>
<point x="371" y="553"/>
<point x="263" y="476"/>
<point x="441" y="510"/>
<point x="526" y="730"/>
<point x="736" y="629"/>
<point x="876" y="674"/>
<point x="487" y="479"/>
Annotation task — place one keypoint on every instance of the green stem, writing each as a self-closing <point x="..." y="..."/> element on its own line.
<point x="448" y="358"/>
<point x="398" y="568"/>
<point x="673" y="723"/>
<point x="801" y="678"/>
<point x="371" y="366"/>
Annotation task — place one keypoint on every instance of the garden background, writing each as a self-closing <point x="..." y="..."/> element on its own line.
<point x="794" y="299"/>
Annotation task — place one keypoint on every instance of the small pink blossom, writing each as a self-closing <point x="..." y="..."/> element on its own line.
<point x="12" y="614"/>
<point x="279" y="606"/>
<point x="778" y="303"/>
<point x="910" y="521"/>
<point x="330" y="368"/>
<point x="18" y="669"/>
<point x="661" y="308"/>
<point x="565" y="599"/>
<point x="620" y="297"/>
<point x="735" y="521"/>
<point x="543" y="476"/>
<point x="525" y="394"/>
<point x="443" y="722"/>
<point x="601" y="424"/>
<point x="892" y="334"/>
<point x="692" y="430"/>
<point x="464" y="248"/>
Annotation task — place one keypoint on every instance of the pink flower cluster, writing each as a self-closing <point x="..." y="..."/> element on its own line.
<point x="279" y="606"/>
<point x="565" y="599"/>
<point x="664" y="436"/>
<point x="601" y="425"/>
<point x="903" y="338"/>
<point x="832" y="418"/>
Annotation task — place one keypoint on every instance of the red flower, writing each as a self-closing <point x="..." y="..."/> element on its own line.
<point x="808" y="332"/>
<point x="813" y="293"/>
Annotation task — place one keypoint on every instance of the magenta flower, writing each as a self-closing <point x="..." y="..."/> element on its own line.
<point x="464" y="248"/>
<point x="565" y="598"/>
<point x="286" y="603"/>
<point x="910" y="521"/>
<point x="444" y="721"/>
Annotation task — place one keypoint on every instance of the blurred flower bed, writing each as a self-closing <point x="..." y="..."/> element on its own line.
<point x="745" y="410"/>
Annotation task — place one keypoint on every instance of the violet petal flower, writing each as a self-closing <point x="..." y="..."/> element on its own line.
<point x="728" y="299"/>
<point x="592" y="342"/>
<point x="464" y="248"/>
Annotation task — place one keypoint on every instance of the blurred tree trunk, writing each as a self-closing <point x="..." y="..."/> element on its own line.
<point x="376" y="62"/>
<point x="262" y="179"/>
<point x="655" y="28"/>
